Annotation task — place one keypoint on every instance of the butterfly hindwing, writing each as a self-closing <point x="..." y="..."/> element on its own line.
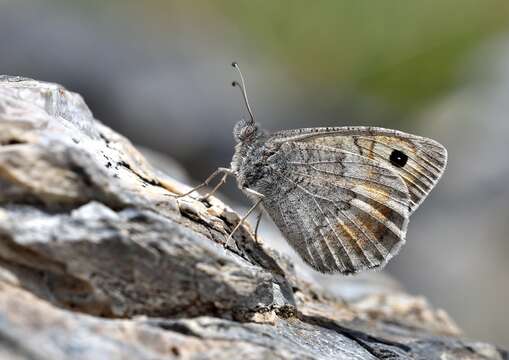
<point x="341" y="211"/>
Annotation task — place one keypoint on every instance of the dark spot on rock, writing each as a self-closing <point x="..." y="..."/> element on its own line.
<point x="175" y="326"/>
<point x="12" y="142"/>
<point x="398" y="158"/>
<point x="104" y="138"/>
<point x="221" y="262"/>
<point x="82" y="172"/>
<point x="108" y="164"/>
<point x="175" y="351"/>
<point x="124" y="164"/>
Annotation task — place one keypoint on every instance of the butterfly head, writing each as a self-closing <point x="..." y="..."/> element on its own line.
<point x="245" y="131"/>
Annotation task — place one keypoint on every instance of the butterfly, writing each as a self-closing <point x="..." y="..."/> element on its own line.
<point x="341" y="196"/>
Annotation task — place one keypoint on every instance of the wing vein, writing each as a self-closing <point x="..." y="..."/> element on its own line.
<point x="283" y="216"/>
<point x="357" y="204"/>
<point x="375" y="214"/>
<point x="409" y="156"/>
<point x="352" y="237"/>
<point x="423" y="191"/>
<point x="373" y="240"/>
<point x="425" y="176"/>
<point x="337" y="260"/>
<point x="314" y="197"/>
<point x="396" y="200"/>
<point x="363" y="179"/>
<point x="362" y="206"/>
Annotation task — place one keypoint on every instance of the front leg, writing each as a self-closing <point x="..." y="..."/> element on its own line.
<point x="218" y="171"/>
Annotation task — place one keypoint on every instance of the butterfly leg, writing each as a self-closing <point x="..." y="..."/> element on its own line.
<point x="218" y="171"/>
<point x="218" y="185"/>
<point x="253" y="192"/>
<point x="258" y="219"/>
<point x="227" y="243"/>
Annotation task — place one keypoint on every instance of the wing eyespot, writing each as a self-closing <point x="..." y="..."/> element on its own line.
<point x="398" y="158"/>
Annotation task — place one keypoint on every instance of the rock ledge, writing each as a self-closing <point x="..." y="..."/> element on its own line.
<point x="99" y="261"/>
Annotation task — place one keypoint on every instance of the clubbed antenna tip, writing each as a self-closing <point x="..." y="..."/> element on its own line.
<point x="243" y="90"/>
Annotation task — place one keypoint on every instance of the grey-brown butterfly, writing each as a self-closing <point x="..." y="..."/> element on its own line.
<point x="342" y="196"/>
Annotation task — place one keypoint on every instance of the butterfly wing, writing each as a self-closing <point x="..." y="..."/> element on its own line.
<point x="421" y="162"/>
<point x="343" y="199"/>
<point x="342" y="212"/>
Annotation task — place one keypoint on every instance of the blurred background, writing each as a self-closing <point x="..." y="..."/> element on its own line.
<point x="159" y="72"/>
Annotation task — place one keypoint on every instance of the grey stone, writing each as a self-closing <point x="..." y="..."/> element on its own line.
<point x="99" y="261"/>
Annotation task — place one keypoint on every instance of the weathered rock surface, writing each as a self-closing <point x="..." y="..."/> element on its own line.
<point x="99" y="261"/>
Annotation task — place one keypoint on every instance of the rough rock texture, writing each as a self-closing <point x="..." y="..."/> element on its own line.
<point x="99" y="261"/>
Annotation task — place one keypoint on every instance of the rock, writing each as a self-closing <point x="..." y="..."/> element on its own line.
<point x="99" y="260"/>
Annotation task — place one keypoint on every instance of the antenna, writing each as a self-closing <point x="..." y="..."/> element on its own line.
<point x="243" y="90"/>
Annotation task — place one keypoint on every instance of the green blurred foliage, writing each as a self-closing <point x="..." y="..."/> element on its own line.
<point x="405" y="52"/>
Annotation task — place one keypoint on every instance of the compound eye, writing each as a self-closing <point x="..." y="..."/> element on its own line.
<point x="247" y="131"/>
<point x="398" y="158"/>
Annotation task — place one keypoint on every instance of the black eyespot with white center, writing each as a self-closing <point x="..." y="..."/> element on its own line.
<point x="398" y="158"/>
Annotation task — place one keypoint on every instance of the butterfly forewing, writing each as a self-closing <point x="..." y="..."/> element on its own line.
<point x="341" y="211"/>
<point x="419" y="161"/>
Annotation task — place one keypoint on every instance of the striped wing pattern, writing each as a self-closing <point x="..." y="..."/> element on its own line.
<point x="427" y="158"/>
<point x="342" y="212"/>
<point x="341" y="203"/>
